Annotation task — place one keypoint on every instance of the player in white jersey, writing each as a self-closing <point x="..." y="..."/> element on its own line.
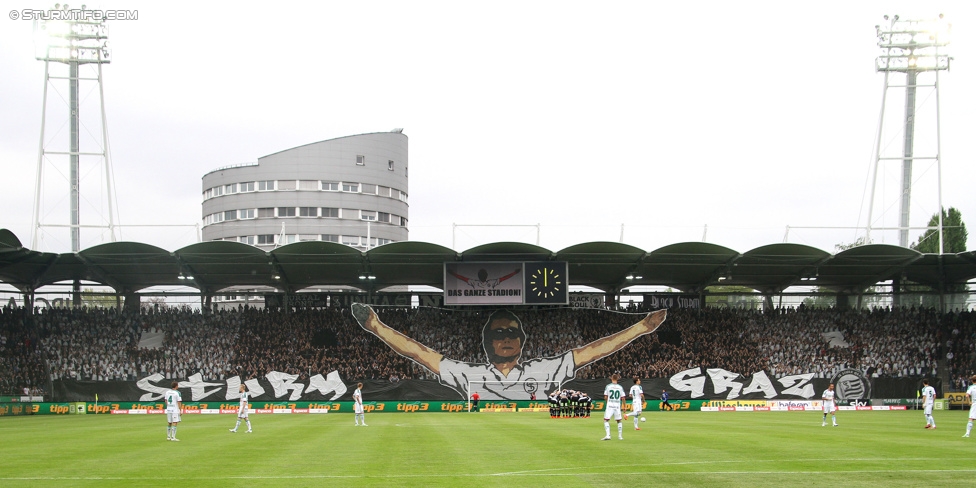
<point x="614" y="396"/>
<point x="242" y="411"/>
<point x="174" y="404"/>
<point x="928" y="402"/>
<point x="829" y="406"/>
<point x="636" y="402"/>
<point x="357" y="397"/>
<point x="970" y="395"/>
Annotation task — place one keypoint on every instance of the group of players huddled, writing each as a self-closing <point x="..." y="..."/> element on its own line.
<point x="569" y="404"/>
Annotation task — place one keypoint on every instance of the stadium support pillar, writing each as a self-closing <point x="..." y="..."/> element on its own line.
<point x="896" y="291"/>
<point x="843" y="300"/>
<point x="207" y="305"/>
<point x="131" y="302"/>
<point x="29" y="301"/>
<point x="610" y="301"/>
<point x="767" y="302"/>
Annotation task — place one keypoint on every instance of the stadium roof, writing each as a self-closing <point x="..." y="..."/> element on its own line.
<point x="608" y="266"/>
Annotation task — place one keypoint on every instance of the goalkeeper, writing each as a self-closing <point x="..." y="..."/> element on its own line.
<point x="504" y="375"/>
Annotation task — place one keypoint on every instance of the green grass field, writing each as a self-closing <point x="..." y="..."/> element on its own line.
<point x="489" y="449"/>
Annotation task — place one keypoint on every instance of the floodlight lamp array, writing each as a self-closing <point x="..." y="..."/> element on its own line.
<point x="71" y="41"/>
<point x="913" y="45"/>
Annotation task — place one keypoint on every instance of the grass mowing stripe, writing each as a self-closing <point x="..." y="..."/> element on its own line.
<point x="441" y="449"/>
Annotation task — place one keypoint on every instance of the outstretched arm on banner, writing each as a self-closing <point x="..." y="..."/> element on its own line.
<point x="400" y="343"/>
<point x="610" y="344"/>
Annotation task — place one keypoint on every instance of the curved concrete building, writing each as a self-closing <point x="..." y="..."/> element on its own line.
<point x="351" y="190"/>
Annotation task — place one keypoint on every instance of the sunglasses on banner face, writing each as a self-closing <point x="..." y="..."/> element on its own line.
<point x="506" y="333"/>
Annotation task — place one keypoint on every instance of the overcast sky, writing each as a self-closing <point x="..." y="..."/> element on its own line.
<point x="651" y="122"/>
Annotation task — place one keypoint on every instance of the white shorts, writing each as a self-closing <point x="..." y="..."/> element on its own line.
<point x="828" y="407"/>
<point x="972" y="411"/>
<point x="612" y="410"/>
<point x="928" y="408"/>
<point x="242" y="413"/>
<point x="358" y="408"/>
<point x="172" y="417"/>
<point x="635" y="408"/>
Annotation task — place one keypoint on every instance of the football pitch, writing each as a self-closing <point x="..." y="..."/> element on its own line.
<point x="489" y="449"/>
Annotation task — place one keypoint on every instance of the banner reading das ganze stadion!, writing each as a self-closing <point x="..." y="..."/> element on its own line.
<point x="506" y="283"/>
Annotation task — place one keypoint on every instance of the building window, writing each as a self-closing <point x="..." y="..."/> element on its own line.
<point x="383" y="217"/>
<point x="308" y="237"/>
<point x="403" y="197"/>
<point x="308" y="211"/>
<point x="350" y="187"/>
<point x="230" y="215"/>
<point x="350" y="240"/>
<point x="267" y="185"/>
<point x="308" y="185"/>
<point x="208" y="194"/>
<point x="330" y="186"/>
<point x="245" y="213"/>
<point x="330" y="212"/>
<point x="286" y="211"/>
<point x="330" y="238"/>
<point x="287" y="184"/>
<point x="369" y="189"/>
<point x="246" y="240"/>
<point x="247" y="186"/>
<point x="218" y="217"/>
<point x="218" y="191"/>
<point x="290" y="238"/>
<point x="266" y="239"/>
<point x="381" y="241"/>
<point x="361" y="160"/>
<point x="367" y="215"/>
<point x="390" y="165"/>
<point x="231" y="188"/>
<point x="383" y="191"/>
<point x="266" y="213"/>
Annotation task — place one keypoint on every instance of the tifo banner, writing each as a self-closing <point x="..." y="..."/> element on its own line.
<point x="276" y="387"/>
<point x="586" y="300"/>
<point x="721" y="384"/>
<point x="693" y="384"/>
<point x="151" y="339"/>
<point x="298" y="301"/>
<point x="502" y="373"/>
<point x="672" y="300"/>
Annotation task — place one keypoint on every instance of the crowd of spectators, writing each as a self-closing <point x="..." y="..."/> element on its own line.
<point x="103" y="345"/>
<point x="20" y="365"/>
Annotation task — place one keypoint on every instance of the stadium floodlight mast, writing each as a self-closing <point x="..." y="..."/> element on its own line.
<point x="68" y="36"/>
<point x="73" y="38"/>
<point x="910" y="47"/>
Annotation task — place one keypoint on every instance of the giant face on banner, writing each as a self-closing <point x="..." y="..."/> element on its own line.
<point x="504" y="376"/>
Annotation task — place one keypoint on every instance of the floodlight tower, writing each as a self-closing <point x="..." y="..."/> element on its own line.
<point x="912" y="48"/>
<point x="72" y="37"/>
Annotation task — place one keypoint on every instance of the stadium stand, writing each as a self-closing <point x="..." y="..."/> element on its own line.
<point x="103" y="345"/>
